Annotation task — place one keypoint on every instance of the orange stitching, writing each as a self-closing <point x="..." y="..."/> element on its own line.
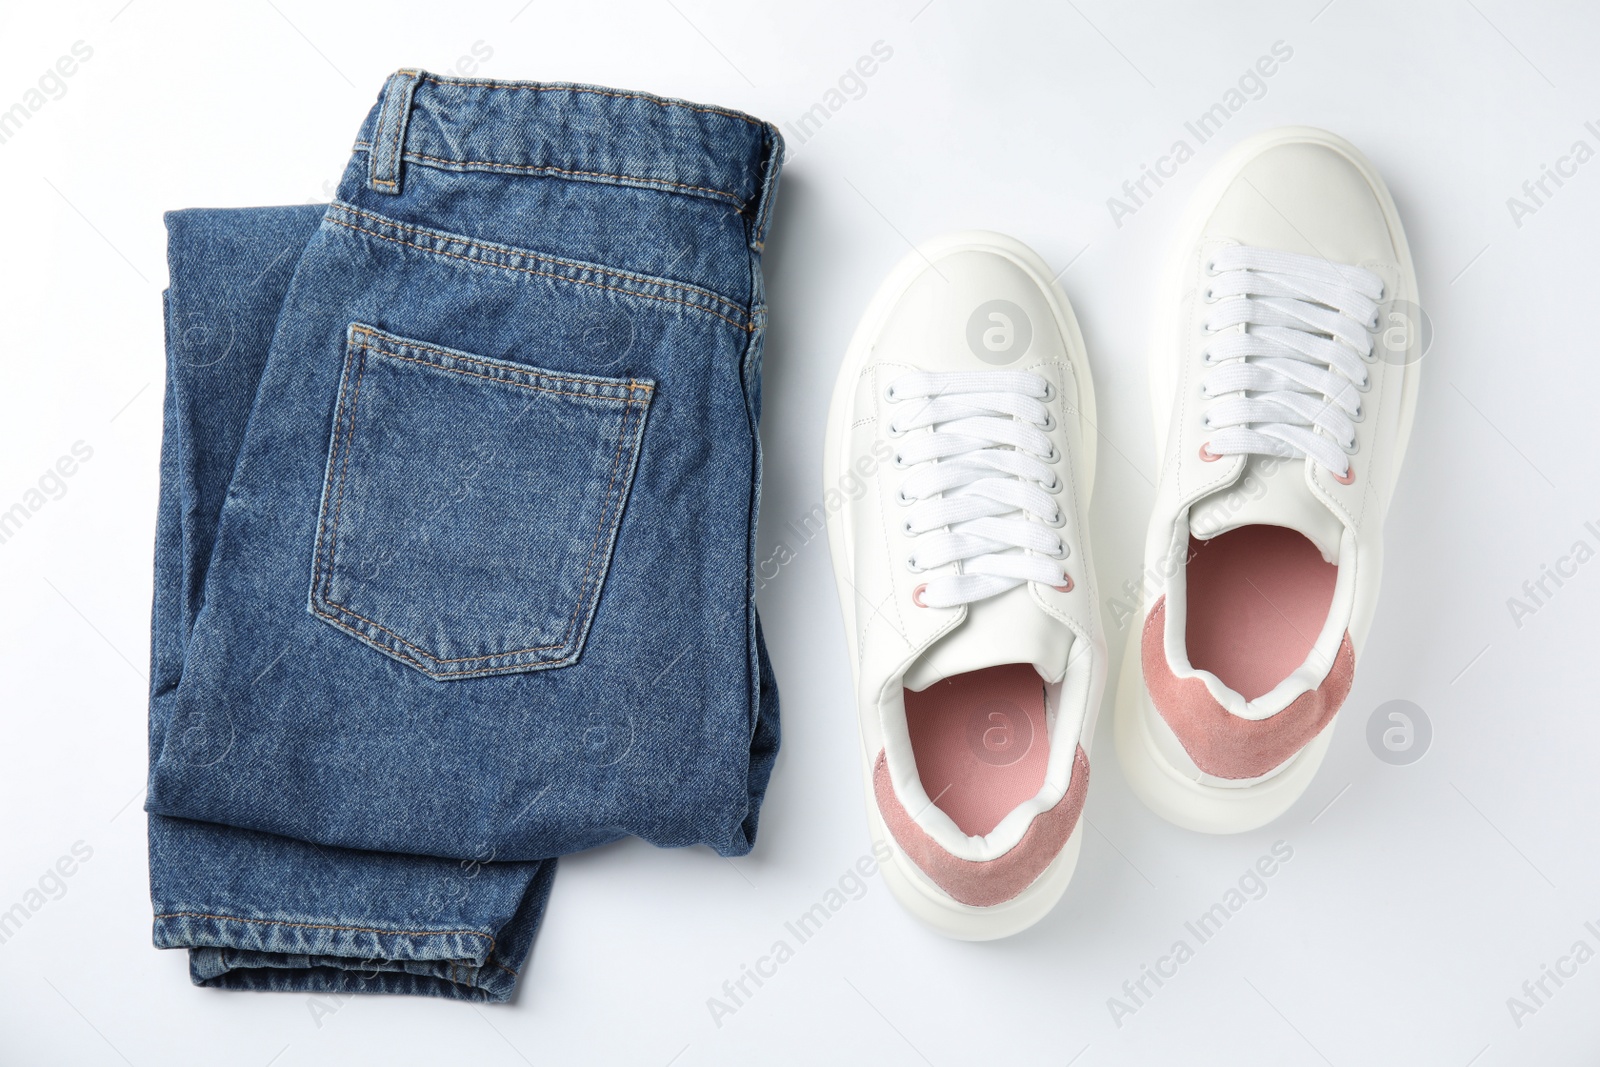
<point x="616" y="464"/>
<point x="631" y="384"/>
<point x="322" y="519"/>
<point x="425" y="652"/>
<point x="377" y="136"/>
<point x="323" y="530"/>
<point x="401" y="654"/>
<point x="502" y="381"/>
<point x="541" y="273"/>
<point x="350" y="433"/>
<point x="541" y="168"/>
<point x="480" y="83"/>
<point x="399" y="139"/>
<point x="383" y="221"/>
<point x="328" y="926"/>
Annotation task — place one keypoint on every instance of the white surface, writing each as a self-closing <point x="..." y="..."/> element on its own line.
<point x="1412" y="907"/>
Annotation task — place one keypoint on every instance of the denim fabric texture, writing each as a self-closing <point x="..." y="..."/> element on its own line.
<point x="454" y="560"/>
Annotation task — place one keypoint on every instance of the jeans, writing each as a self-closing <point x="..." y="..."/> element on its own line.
<point x="454" y="558"/>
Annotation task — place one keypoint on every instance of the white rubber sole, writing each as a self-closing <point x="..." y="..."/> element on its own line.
<point x="915" y="892"/>
<point x="1166" y="790"/>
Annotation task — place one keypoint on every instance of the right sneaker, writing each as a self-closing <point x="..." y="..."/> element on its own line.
<point x="1283" y="378"/>
<point x="959" y="465"/>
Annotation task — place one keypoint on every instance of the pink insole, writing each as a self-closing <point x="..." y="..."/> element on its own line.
<point x="980" y="742"/>
<point x="1258" y="597"/>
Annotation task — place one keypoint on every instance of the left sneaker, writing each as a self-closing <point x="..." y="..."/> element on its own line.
<point x="1283" y="378"/>
<point x="959" y="465"/>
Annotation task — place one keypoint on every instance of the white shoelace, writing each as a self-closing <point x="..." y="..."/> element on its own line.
<point x="980" y="491"/>
<point x="1299" y="366"/>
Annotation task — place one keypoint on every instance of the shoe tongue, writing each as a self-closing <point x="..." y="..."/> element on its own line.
<point x="1269" y="492"/>
<point x="1009" y="628"/>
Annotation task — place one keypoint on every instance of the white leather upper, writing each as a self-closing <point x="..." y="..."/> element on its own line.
<point x="1308" y="192"/>
<point x="1313" y="196"/>
<point x="923" y="320"/>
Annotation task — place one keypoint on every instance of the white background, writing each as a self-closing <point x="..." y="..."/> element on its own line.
<point x="1418" y="899"/>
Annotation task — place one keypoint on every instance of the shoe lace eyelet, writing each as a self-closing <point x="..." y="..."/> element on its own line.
<point x="1049" y="392"/>
<point x="1066" y="583"/>
<point x="911" y="565"/>
<point x="916" y="595"/>
<point x="907" y="527"/>
<point x="1053" y="487"/>
<point x="1049" y="422"/>
<point x="1348" y="476"/>
<point x="895" y="430"/>
<point x="903" y="500"/>
<point x="900" y="461"/>
<point x="1206" y="455"/>
<point x="1058" y="520"/>
<point x="888" y="394"/>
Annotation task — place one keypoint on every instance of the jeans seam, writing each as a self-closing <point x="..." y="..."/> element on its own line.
<point x="545" y="168"/>
<point x="383" y="220"/>
<point x="488" y="955"/>
<point x="772" y="165"/>
<point x="378" y="345"/>
<point x="745" y="326"/>
<point x="342" y="443"/>
<point x="332" y="926"/>
<point x="507" y="381"/>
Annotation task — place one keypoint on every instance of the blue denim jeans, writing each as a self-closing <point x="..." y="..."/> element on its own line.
<point x="454" y="561"/>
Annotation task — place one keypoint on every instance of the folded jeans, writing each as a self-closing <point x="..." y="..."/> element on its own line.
<point x="454" y="560"/>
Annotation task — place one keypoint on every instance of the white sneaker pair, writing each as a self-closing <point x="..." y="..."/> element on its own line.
<point x="1283" y="379"/>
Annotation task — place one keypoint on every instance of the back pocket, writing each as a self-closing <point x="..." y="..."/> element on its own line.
<point x="471" y="505"/>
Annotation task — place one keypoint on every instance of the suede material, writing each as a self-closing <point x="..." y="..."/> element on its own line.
<point x="985" y="883"/>
<point x="1221" y="743"/>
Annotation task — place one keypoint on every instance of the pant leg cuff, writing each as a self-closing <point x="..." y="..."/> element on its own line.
<point x="235" y="952"/>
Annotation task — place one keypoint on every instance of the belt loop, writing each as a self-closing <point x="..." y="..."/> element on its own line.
<point x="389" y="140"/>
<point x="773" y="151"/>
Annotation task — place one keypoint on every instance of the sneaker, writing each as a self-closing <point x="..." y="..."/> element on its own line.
<point x="1283" y="379"/>
<point x="960" y="458"/>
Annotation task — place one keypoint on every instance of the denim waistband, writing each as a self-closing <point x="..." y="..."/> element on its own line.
<point x="576" y="132"/>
